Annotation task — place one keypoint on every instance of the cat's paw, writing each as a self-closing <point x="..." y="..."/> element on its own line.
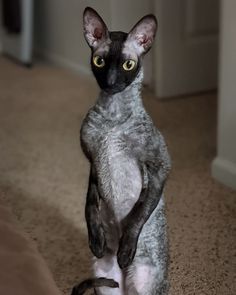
<point x="97" y="242"/>
<point x="126" y="252"/>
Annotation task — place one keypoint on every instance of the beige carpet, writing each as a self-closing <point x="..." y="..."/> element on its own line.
<point x="43" y="178"/>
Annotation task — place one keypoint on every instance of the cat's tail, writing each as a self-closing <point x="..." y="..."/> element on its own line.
<point x="81" y="288"/>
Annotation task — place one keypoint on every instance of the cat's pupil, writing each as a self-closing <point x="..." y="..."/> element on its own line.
<point x="129" y="64"/>
<point x="99" y="61"/>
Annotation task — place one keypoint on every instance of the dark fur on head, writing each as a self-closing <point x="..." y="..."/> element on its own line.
<point x="112" y="77"/>
<point x="115" y="48"/>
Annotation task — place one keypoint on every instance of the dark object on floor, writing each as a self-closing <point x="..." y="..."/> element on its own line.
<point x="19" y="257"/>
<point x="93" y="283"/>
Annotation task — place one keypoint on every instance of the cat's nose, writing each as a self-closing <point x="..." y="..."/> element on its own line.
<point x="111" y="79"/>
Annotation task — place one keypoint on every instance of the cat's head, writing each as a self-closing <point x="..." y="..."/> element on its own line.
<point x="116" y="57"/>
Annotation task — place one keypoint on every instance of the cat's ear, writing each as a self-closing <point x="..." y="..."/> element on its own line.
<point x="143" y="33"/>
<point x="95" y="30"/>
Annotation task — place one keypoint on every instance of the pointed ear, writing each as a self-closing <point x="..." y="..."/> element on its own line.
<point x="143" y="33"/>
<point x="95" y="30"/>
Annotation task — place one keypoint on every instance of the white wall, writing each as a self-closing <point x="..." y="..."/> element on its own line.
<point x="224" y="166"/>
<point x="58" y="30"/>
<point x="58" y="27"/>
<point x="187" y="48"/>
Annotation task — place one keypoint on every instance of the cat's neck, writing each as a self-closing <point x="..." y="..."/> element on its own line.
<point x="122" y="104"/>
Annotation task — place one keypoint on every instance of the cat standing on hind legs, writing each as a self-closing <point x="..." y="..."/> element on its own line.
<point x="129" y="165"/>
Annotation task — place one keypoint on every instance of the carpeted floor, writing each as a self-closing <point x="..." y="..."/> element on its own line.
<point x="43" y="178"/>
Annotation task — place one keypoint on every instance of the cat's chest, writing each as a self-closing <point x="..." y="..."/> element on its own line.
<point x="101" y="135"/>
<point x="117" y="168"/>
<point x="98" y="136"/>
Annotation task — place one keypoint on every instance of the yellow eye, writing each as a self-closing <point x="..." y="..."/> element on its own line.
<point x="129" y="64"/>
<point x="98" y="61"/>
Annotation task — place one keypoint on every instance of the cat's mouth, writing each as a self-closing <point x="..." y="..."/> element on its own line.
<point x="113" y="90"/>
<point x="117" y="87"/>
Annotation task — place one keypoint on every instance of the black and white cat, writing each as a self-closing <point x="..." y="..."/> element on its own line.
<point x="129" y="165"/>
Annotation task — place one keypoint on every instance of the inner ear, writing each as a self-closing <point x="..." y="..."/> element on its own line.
<point x="143" y="33"/>
<point x="95" y="30"/>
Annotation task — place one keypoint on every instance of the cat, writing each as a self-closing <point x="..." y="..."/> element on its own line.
<point x="129" y="165"/>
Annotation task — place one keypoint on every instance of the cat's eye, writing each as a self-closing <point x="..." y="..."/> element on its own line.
<point x="98" y="61"/>
<point x="129" y="65"/>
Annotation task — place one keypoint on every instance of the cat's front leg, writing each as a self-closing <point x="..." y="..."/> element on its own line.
<point x="127" y="248"/>
<point x="97" y="239"/>
<point x="130" y="234"/>
<point x="143" y="208"/>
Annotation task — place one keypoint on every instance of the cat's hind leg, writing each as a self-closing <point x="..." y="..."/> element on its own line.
<point x="144" y="278"/>
<point x="108" y="267"/>
<point x="147" y="275"/>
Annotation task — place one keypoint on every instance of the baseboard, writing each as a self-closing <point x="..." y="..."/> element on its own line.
<point x="224" y="171"/>
<point x="62" y="62"/>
